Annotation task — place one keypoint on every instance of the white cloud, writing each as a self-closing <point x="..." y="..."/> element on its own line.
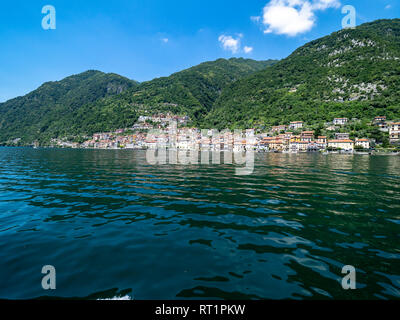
<point x="248" y="49"/>
<point x="388" y="7"/>
<point x="165" y="40"/>
<point x="229" y="43"/>
<point x="292" y="17"/>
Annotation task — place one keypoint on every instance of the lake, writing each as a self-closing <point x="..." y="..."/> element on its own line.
<point x="113" y="225"/>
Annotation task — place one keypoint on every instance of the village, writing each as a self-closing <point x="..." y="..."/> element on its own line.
<point x="171" y="131"/>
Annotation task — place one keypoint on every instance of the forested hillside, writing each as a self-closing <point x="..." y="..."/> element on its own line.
<point x="64" y="108"/>
<point x="351" y="73"/>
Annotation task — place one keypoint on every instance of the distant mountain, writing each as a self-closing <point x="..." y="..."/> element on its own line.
<point x="62" y="108"/>
<point x="351" y="73"/>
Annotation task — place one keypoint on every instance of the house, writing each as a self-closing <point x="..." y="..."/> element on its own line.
<point x="321" y="142"/>
<point x="296" y="125"/>
<point x="340" y="121"/>
<point x="342" y="136"/>
<point x="347" y="144"/>
<point x="288" y="134"/>
<point x="381" y="123"/>
<point x="303" y="146"/>
<point x="379" y="119"/>
<point x="279" y="128"/>
<point x="312" y="147"/>
<point x="362" y="143"/>
<point x="307" y="136"/>
<point x="272" y="143"/>
<point x="394" y="132"/>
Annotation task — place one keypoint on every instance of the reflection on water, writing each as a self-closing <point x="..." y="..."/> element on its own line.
<point x="113" y="225"/>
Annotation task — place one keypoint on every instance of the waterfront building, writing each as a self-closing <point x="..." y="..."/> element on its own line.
<point x="307" y="136"/>
<point x="347" y="145"/>
<point x="363" y="143"/>
<point x="303" y="146"/>
<point x="321" y="142"/>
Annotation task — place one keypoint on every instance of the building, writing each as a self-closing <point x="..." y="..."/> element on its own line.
<point x="381" y="123"/>
<point x="303" y="146"/>
<point x="279" y="128"/>
<point x="363" y="143"/>
<point x="347" y="145"/>
<point x="296" y="125"/>
<point x="322" y="142"/>
<point x="307" y="136"/>
<point x="394" y="133"/>
<point x="379" y="119"/>
<point x="340" y="121"/>
<point x="273" y="144"/>
<point x="342" y="136"/>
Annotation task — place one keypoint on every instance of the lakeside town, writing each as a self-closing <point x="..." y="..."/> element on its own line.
<point x="172" y="131"/>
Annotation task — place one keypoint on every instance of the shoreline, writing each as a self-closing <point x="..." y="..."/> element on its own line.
<point x="322" y="152"/>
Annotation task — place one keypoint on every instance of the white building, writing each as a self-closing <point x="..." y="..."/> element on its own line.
<point x="394" y="132"/>
<point x="347" y="145"/>
<point x="296" y="125"/>
<point x="340" y="121"/>
<point x="363" y="143"/>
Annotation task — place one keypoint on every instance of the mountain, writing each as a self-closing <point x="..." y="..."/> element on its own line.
<point x="350" y="73"/>
<point x="353" y="73"/>
<point x="62" y="108"/>
<point x="192" y="91"/>
<point x="94" y="101"/>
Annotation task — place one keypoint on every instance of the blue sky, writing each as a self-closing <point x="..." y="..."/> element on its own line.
<point x="144" y="39"/>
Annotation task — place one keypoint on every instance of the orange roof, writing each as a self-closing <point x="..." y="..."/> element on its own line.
<point x="362" y="140"/>
<point x="322" y="137"/>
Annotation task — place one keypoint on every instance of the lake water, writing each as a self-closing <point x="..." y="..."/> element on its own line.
<point x="113" y="225"/>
